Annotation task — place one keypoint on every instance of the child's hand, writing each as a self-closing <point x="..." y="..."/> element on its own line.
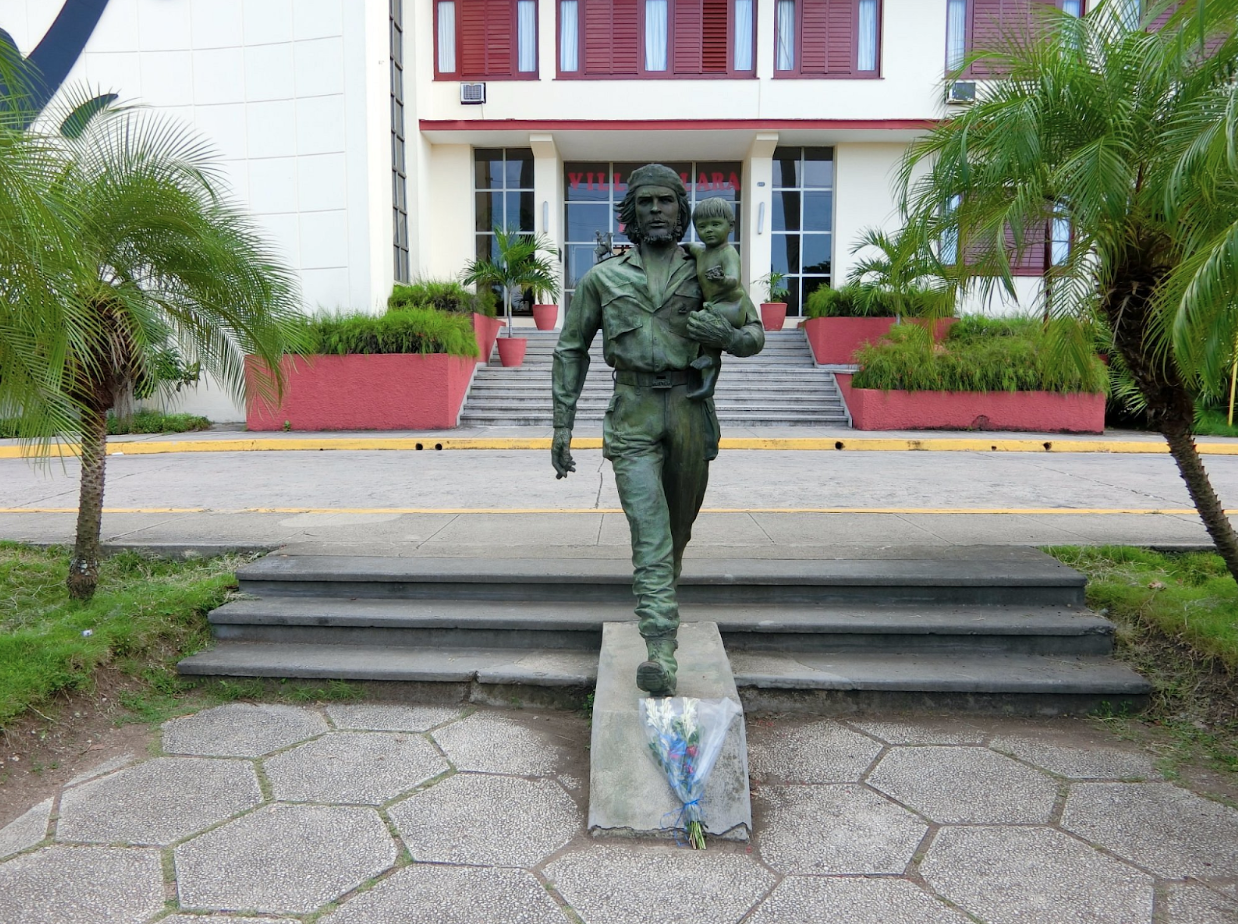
<point x="715" y="273"/>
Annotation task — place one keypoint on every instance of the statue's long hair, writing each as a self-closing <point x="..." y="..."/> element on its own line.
<point x="627" y="215"/>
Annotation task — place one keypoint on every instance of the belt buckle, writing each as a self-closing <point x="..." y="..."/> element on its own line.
<point x="661" y="380"/>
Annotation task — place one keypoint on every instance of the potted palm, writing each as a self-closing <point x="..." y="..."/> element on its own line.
<point x="523" y="262"/>
<point x="774" y="309"/>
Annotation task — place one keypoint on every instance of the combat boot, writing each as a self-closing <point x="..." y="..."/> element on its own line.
<point x="656" y="676"/>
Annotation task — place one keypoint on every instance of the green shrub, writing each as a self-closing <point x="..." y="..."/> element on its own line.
<point x="857" y="300"/>
<point x="445" y="295"/>
<point x="978" y="354"/>
<point x="156" y="422"/>
<point x="407" y="330"/>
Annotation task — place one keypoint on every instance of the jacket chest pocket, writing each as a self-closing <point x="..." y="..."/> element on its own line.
<point x="621" y="315"/>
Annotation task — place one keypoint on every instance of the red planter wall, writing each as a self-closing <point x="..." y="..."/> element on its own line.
<point x="402" y="391"/>
<point x="1034" y="411"/>
<point x="834" y="340"/>
<point x="487" y="331"/>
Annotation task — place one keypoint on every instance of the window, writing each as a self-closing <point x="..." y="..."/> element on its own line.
<point x="502" y="195"/>
<point x="485" y="38"/>
<point x="973" y="24"/>
<point x="594" y="191"/>
<point x="656" y="38"/>
<point x="803" y="220"/>
<point x="399" y="178"/>
<point x="827" y="38"/>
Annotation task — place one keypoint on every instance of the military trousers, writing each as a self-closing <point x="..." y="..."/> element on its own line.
<point x="660" y="443"/>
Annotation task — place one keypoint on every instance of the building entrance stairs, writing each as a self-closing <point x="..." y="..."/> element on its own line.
<point x="992" y="629"/>
<point x="779" y="387"/>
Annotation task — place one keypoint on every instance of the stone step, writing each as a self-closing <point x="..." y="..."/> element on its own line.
<point x="541" y="421"/>
<point x="767" y="681"/>
<point x="524" y="624"/>
<point x="1031" y="580"/>
<point x="806" y="407"/>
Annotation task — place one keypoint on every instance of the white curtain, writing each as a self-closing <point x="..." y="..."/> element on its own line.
<point x="1072" y="7"/>
<point x="569" y="36"/>
<point x="949" y="249"/>
<point x="1060" y="240"/>
<point x="956" y="34"/>
<point x="655" y="35"/>
<point x="743" y="35"/>
<point x="866" y="57"/>
<point x="526" y="36"/>
<point x="785" y="58"/>
<point x="447" y="36"/>
<point x="1128" y="13"/>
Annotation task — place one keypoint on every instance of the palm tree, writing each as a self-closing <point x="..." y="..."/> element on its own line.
<point x="157" y="260"/>
<point x="1129" y="134"/>
<point x="891" y="271"/>
<point x="522" y="263"/>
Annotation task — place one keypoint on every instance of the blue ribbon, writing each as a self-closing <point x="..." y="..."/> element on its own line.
<point x="679" y="822"/>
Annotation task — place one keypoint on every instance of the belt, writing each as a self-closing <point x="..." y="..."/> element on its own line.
<point x="668" y="379"/>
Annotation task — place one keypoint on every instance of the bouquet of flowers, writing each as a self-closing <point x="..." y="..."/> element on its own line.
<point x="685" y="738"/>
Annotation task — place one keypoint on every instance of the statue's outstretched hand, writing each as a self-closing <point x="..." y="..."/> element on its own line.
<point x="710" y="329"/>
<point x="561" y="452"/>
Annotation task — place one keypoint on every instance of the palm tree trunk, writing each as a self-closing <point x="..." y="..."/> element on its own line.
<point x="84" y="566"/>
<point x="1211" y="511"/>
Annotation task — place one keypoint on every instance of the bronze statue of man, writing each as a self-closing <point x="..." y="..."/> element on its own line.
<point x="660" y="442"/>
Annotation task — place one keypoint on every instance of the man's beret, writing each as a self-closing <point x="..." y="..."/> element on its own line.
<point x="656" y="175"/>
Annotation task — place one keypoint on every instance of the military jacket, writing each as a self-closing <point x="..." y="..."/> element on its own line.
<point x="638" y="334"/>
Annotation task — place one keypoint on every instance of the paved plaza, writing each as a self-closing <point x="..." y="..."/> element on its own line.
<point x="372" y="813"/>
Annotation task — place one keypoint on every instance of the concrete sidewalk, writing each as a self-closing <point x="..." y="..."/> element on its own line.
<point x="384" y="813"/>
<point x="770" y="503"/>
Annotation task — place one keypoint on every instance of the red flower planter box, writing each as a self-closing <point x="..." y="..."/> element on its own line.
<point x="835" y="340"/>
<point x="487" y="331"/>
<point x="397" y="391"/>
<point x="1034" y="411"/>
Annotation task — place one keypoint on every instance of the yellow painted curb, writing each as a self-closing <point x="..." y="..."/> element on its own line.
<point x="810" y="444"/>
<point x="514" y="511"/>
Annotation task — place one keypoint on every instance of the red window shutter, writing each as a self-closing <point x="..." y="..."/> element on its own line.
<point x="612" y="37"/>
<point x="814" y="35"/>
<point x="485" y="38"/>
<point x="687" y="36"/>
<point x="1032" y="261"/>
<point x="716" y="36"/>
<point x="840" y="50"/>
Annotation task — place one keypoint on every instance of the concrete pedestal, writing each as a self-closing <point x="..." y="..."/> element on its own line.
<point x="628" y="792"/>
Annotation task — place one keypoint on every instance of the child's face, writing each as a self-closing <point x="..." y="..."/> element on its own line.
<point x="713" y="231"/>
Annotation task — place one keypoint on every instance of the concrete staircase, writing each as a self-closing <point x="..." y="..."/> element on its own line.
<point x="987" y="629"/>
<point x="779" y="387"/>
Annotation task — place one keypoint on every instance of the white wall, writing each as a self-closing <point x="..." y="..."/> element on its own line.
<point x="863" y="197"/>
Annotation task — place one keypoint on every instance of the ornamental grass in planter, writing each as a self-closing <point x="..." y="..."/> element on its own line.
<point x="995" y="374"/>
<point x="406" y="370"/>
<point x="840" y="322"/>
<point x="449" y="296"/>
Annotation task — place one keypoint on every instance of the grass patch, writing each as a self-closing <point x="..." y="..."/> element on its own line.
<point x="147" y="614"/>
<point x="406" y="330"/>
<point x="1177" y="624"/>
<point x="978" y="355"/>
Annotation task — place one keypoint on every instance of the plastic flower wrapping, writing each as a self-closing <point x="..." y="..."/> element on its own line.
<point x="685" y="738"/>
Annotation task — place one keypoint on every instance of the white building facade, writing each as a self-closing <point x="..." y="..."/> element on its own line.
<point x="382" y="140"/>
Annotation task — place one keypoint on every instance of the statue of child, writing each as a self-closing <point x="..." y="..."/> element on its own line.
<point x="717" y="270"/>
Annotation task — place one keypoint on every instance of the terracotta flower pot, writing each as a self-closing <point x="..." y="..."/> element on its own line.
<point x="545" y="316"/>
<point x="511" y="350"/>
<point x="773" y="315"/>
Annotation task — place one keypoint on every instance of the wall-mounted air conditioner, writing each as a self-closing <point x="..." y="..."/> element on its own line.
<point x="472" y="94"/>
<point x="962" y="92"/>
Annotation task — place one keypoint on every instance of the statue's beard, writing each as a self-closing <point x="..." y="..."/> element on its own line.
<point x="661" y="234"/>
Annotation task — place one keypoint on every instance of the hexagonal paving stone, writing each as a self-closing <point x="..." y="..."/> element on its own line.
<point x="816" y="752"/>
<point x="1093" y="762"/>
<point x="836" y="829"/>
<point x="353" y="767"/>
<point x="851" y="901"/>
<point x="1195" y="904"/>
<point x="283" y="858"/>
<point x="241" y="730"/>
<point x="390" y="716"/>
<point x="649" y="884"/>
<point x="961" y="785"/>
<point x="491" y="743"/>
<point x="108" y="766"/>
<point x="74" y="885"/>
<point x="421" y="894"/>
<point x="216" y="919"/>
<point x="487" y="820"/>
<point x="1168" y="830"/>
<point x="26" y="830"/>
<point x="1018" y="875"/>
<point x="157" y="802"/>
<point x="927" y="731"/>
